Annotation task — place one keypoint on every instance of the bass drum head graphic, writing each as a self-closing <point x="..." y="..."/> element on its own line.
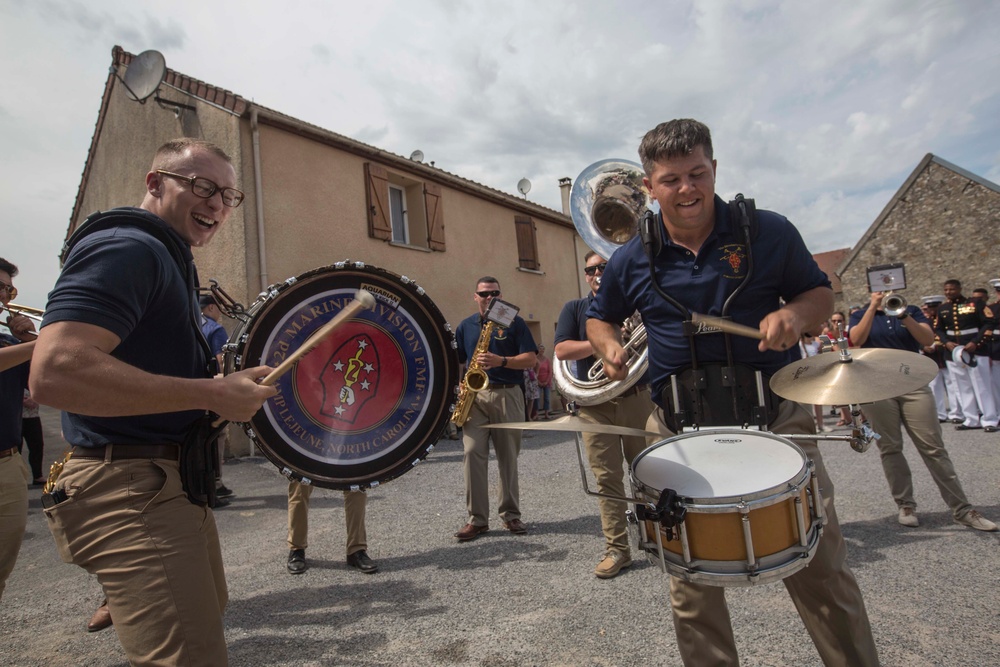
<point x="369" y="401"/>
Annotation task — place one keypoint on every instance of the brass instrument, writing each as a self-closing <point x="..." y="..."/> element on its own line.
<point x="893" y="304"/>
<point x="475" y="379"/>
<point x="29" y="312"/>
<point x="607" y="201"/>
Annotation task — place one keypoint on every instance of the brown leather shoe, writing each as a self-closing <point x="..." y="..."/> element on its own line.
<point x="515" y="526"/>
<point x="471" y="532"/>
<point x="101" y="618"/>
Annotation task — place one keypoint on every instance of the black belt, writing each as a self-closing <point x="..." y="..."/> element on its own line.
<point x="497" y="385"/>
<point x="119" y="452"/>
<point x="634" y="390"/>
<point x="8" y="452"/>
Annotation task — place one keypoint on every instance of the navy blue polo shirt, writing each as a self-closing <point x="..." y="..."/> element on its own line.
<point x="13" y="382"/>
<point x="888" y="331"/>
<point x="572" y="325"/>
<point x="507" y="342"/>
<point x="214" y="333"/>
<point x="124" y="280"/>
<point x="783" y="269"/>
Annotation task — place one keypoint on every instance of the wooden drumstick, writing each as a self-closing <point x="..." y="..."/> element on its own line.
<point x="363" y="300"/>
<point x="727" y="326"/>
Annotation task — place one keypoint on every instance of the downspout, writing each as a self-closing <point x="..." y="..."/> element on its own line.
<point x="565" y="188"/>
<point x="259" y="192"/>
<point x="259" y="198"/>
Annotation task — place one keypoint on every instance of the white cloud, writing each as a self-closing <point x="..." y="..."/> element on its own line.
<point x="819" y="111"/>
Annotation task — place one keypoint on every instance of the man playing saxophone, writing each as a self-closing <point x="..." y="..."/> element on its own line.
<point x="502" y="353"/>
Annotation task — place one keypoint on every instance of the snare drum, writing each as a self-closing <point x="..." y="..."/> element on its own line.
<point x="751" y="504"/>
<point x="369" y="401"/>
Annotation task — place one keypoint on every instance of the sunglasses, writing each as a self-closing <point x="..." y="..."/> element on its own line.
<point x="485" y="294"/>
<point x="10" y="289"/>
<point x="592" y="270"/>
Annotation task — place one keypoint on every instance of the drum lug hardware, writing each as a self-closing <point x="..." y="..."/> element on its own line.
<point x="359" y="265"/>
<point x="669" y="511"/>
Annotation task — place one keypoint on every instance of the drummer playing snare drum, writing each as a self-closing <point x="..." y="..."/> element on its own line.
<point x="700" y="255"/>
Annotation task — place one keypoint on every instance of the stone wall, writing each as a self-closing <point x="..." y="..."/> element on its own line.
<point x="942" y="226"/>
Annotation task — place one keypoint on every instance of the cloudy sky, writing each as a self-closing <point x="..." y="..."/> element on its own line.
<point x="818" y="110"/>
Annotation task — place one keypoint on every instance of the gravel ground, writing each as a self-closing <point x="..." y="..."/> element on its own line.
<point x="506" y="600"/>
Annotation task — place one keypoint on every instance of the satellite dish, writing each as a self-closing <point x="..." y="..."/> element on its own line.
<point x="417" y="156"/>
<point x="144" y="75"/>
<point x="524" y="186"/>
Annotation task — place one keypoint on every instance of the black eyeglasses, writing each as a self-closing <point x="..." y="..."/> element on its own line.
<point x="592" y="270"/>
<point x="485" y="294"/>
<point x="10" y="289"/>
<point x="204" y="188"/>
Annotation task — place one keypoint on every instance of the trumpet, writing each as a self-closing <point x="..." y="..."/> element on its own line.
<point x="894" y="305"/>
<point x="29" y="312"/>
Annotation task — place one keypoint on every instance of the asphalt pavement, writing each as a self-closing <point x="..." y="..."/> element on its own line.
<point x="505" y="600"/>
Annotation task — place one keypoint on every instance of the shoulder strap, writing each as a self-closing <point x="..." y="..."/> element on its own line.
<point x="117" y="217"/>
<point x="743" y="212"/>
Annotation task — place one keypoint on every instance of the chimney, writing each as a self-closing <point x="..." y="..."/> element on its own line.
<point x="565" y="186"/>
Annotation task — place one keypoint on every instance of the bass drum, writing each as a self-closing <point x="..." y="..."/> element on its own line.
<point x="368" y="402"/>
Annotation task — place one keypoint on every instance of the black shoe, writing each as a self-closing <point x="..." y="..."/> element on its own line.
<point x="361" y="561"/>
<point x="223" y="491"/>
<point x="957" y="421"/>
<point x="990" y="429"/>
<point x="963" y="427"/>
<point x="297" y="561"/>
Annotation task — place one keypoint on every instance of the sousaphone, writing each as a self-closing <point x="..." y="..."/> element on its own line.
<point x="607" y="201"/>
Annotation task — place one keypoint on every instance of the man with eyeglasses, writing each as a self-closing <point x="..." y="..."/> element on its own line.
<point x="607" y="454"/>
<point x="120" y="351"/>
<point x="510" y="350"/>
<point x="15" y="351"/>
<point x="874" y="328"/>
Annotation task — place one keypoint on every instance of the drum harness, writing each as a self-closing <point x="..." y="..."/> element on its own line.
<point x="711" y="394"/>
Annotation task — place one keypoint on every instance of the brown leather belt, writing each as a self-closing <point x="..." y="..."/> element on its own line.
<point x="8" y="452"/>
<point x="119" y="452"/>
<point x="634" y="390"/>
<point x="497" y="385"/>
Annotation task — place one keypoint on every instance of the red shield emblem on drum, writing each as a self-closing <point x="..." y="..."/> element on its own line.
<point x="349" y="379"/>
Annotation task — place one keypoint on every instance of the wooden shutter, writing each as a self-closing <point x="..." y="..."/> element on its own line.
<point x="527" y="248"/>
<point x="435" y="216"/>
<point x="377" y="180"/>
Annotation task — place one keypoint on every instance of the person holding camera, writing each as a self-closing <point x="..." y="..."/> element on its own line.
<point x="873" y="327"/>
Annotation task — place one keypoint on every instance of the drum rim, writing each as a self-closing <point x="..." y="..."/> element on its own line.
<point x="773" y="494"/>
<point x="441" y="347"/>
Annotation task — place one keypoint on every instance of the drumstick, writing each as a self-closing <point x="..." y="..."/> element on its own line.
<point x="363" y="300"/>
<point x="727" y="326"/>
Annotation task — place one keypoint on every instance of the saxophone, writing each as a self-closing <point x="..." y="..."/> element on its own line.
<point x="475" y="379"/>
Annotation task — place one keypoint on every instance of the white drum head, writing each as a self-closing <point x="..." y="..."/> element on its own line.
<point x="721" y="463"/>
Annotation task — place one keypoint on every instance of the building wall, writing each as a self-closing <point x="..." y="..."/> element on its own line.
<point x="944" y="226"/>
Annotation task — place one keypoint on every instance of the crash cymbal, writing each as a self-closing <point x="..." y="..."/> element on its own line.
<point x="575" y="425"/>
<point x="873" y="374"/>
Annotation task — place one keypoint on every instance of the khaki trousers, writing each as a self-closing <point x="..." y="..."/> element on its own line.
<point x="609" y="454"/>
<point x="298" y="517"/>
<point x="916" y="411"/>
<point x="492" y="406"/>
<point x="825" y="592"/>
<point x="155" y="554"/>
<point x="14" y="478"/>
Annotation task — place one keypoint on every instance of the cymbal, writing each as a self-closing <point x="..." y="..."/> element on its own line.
<point x="576" y="425"/>
<point x="873" y="374"/>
